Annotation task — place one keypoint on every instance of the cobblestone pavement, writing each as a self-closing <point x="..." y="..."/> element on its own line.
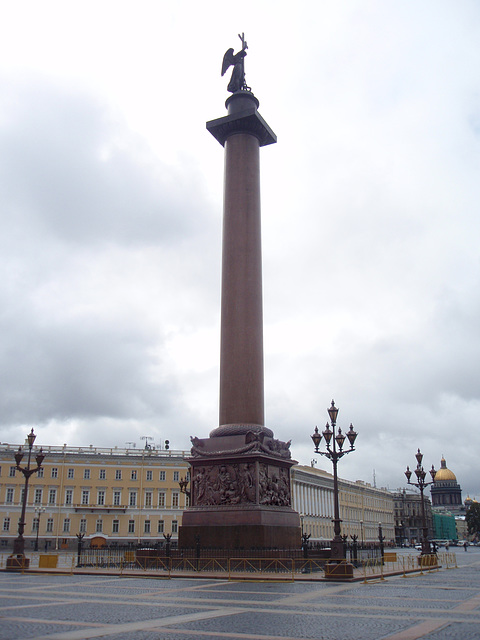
<point x="442" y="605"/>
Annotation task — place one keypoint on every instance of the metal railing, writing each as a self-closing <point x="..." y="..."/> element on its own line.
<point x="241" y="567"/>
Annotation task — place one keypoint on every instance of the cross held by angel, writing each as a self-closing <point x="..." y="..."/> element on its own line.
<point x="237" y="81"/>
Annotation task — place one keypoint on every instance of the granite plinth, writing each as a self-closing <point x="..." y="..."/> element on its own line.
<point x="241" y="528"/>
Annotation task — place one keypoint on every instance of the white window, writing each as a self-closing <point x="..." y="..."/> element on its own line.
<point x="161" y="499"/>
<point x="52" y="496"/>
<point x="68" y="496"/>
<point x="147" y="526"/>
<point x="40" y="472"/>
<point x="6" y="524"/>
<point x="35" y="524"/>
<point x="161" y="526"/>
<point x="148" y="498"/>
<point x="131" y="526"/>
<point x="71" y="473"/>
<point x="149" y="474"/>
<point x="54" y="472"/>
<point x="174" y="526"/>
<point x="38" y="496"/>
<point x="102" y="474"/>
<point x="161" y="477"/>
<point x="115" y="526"/>
<point x="175" y="499"/>
<point x="118" y="474"/>
<point x="86" y="474"/>
<point x="85" y="496"/>
<point x="117" y="495"/>
<point x="9" y="495"/>
<point x="12" y="472"/>
<point x="66" y="525"/>
<point x="99" y="526"/>
<point x="83" y="525"/>
<point x="133" y="475"/>
<point x="49" y="525"/>
<point x="176" y="475"/>
<point x="132" y="499"/>
<point x="101" y="497"/>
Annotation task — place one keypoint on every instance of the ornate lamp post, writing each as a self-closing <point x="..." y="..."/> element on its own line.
<point x="17" y="560"/>
<point x="183" y="484"/>
<point x="38" y="513"/>
<point x="334" y="442"/>
<point x="421" y="484"/>
<point x="80" y="537"/>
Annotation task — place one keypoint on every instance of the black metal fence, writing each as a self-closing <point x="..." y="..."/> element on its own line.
<point x="163" y="556"/>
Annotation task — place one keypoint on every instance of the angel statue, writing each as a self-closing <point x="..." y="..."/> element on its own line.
<point x="237" y="81"/>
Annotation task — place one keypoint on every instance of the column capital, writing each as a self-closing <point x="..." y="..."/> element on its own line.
<point x="244" y="121"/>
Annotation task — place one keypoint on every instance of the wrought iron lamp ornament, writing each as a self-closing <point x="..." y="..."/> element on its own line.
<point x="183" y="483"/>
<point x="421" y="484"/>
<point x="334" y="440"/>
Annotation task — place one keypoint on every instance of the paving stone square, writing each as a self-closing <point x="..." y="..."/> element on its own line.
<point x="440" y="605"/>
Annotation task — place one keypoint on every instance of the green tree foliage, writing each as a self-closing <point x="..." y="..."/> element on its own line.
<point x="473" y="518"/>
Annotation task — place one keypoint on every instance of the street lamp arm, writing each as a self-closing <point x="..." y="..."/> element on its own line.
<point x="334" y="455"/>
<point x="28" y="472"/>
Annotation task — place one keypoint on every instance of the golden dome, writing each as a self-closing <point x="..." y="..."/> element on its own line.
<point x="444" y="474"/>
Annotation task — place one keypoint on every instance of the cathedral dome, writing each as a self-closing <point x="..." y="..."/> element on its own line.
<point x="444" y="474"/>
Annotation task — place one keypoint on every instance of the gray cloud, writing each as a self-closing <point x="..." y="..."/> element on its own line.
<point x="70" y="169"/>
<point x="96" y="237"/>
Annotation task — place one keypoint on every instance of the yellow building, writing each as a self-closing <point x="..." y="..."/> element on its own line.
<point x="131" y="496"/>
<point x="362" y="507"/>
<point x="112" y="496"/>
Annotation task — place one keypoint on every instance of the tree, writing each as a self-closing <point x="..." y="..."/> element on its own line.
<point x="473" y="518"/>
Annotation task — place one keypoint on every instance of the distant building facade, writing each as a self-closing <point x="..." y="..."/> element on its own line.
<point x="112" y="496"/>
<point x="444" y="525"/>
<point x="362" y="507"/>
<point x="408" y="517"/>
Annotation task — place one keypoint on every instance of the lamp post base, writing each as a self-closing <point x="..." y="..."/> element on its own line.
<point x="17" y="563"/>
<point x="338" y="570"/>
<point x="337" y="552"/>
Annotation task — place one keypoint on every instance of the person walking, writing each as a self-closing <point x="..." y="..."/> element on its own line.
<point x="465" y="545"/>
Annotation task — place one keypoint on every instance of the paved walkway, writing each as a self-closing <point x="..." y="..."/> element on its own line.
<point x="442" y="605"/>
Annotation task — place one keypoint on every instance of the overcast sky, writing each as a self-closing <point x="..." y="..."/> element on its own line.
<point x="111" y="213"/>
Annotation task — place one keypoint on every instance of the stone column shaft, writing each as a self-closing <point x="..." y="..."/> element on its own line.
<point x="241" y="350"/>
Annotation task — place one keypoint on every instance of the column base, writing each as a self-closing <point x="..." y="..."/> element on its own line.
<point x="241" y="528"/>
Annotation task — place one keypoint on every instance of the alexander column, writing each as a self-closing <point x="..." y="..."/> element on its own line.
<point x="240" y="480"/>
